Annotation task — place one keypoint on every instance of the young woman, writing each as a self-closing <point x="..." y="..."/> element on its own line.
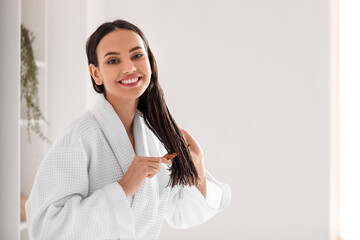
<point x="106" y="177"/>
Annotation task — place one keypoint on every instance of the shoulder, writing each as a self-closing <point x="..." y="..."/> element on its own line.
<point x="78" y="130"/>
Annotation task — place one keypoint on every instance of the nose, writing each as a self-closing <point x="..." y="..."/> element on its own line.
<point x="128" y="67"/>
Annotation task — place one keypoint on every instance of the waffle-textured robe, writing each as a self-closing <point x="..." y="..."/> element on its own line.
<point x="76" y="194"/>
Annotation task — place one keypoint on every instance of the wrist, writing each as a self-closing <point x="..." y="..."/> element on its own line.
<point x="201" y="186"/>
<point x="202" y="176"/>
<point x="122" y="183"/>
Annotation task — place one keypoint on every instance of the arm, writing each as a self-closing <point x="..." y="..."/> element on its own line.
<point x="59" y="206"/>
<point x="187" y="207"/>
<point x="191" y="206"/>
<point x="197" y="156"/>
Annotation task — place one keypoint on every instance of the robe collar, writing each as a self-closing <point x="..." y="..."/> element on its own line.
<point x="116" y="134"/>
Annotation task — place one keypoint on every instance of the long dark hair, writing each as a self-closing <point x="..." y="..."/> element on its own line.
<point x="153" y="106"/>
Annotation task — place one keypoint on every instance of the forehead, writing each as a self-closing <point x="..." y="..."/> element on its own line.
<point x="119" y="40"/>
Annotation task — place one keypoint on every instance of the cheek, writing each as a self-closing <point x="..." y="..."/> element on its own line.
<point x="110" y="73"/>
<point x="145" y="66"/>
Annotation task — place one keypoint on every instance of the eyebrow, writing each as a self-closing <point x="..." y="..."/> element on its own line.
<point x="117" y="53"/>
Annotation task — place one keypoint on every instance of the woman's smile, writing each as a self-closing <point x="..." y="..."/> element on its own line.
<point x="130" y="81"/>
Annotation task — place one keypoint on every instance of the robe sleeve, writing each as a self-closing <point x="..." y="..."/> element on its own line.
<point x="187" y="207"/>
<point x="59" y="206"/>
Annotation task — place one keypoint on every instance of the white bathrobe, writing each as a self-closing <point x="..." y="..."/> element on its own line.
<point x="76" y="194"/>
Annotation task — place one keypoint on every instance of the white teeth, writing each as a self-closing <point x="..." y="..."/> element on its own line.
<point x="130" y="80"/>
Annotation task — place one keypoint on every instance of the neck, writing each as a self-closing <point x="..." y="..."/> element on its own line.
<point x="125" y="109"/>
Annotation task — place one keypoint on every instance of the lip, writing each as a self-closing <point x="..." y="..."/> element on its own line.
<point x="130" y="77"/>
<point x="131" y="84"/>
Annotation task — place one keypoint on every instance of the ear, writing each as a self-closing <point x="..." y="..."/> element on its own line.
<point x="95" y="73"/>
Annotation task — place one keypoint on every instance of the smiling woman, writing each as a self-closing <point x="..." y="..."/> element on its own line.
<point x="124" y="70"/>
<point x="108" y="175"/>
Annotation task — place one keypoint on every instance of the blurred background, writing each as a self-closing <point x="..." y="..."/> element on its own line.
<point x="254" y="81"/>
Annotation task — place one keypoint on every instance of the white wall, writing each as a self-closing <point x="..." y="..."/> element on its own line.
<point x="250" y="80"/>
<point x="68" y="76"/>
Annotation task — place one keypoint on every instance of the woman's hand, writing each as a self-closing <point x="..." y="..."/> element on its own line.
<point x="140" y="168"/>
<point x="197" y="156"/>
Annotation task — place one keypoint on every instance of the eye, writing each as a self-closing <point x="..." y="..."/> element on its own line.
<point x="112" y="61"/>
<point x="138" y="55"/>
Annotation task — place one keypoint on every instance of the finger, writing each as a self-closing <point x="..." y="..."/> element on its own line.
<point x="154" y="159"/>
<point x="149" y="159"/>
<point x="159" y="160"/>
<point x="166" y="161"/>
<point x="154" y="165"/>
<point x="189" y="139"/>
<point x="150" y="175"/>
<point x="152" y="171"/>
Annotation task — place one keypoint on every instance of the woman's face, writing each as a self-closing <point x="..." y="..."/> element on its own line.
<point x="124" y="66"/>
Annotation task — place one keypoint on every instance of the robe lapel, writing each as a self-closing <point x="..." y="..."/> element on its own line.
<point x="145" y="200"/>
<point x="114" y="132"/>
<point x="141" y="146"/>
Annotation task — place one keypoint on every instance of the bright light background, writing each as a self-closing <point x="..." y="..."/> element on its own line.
<point x="349" y="28"/>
